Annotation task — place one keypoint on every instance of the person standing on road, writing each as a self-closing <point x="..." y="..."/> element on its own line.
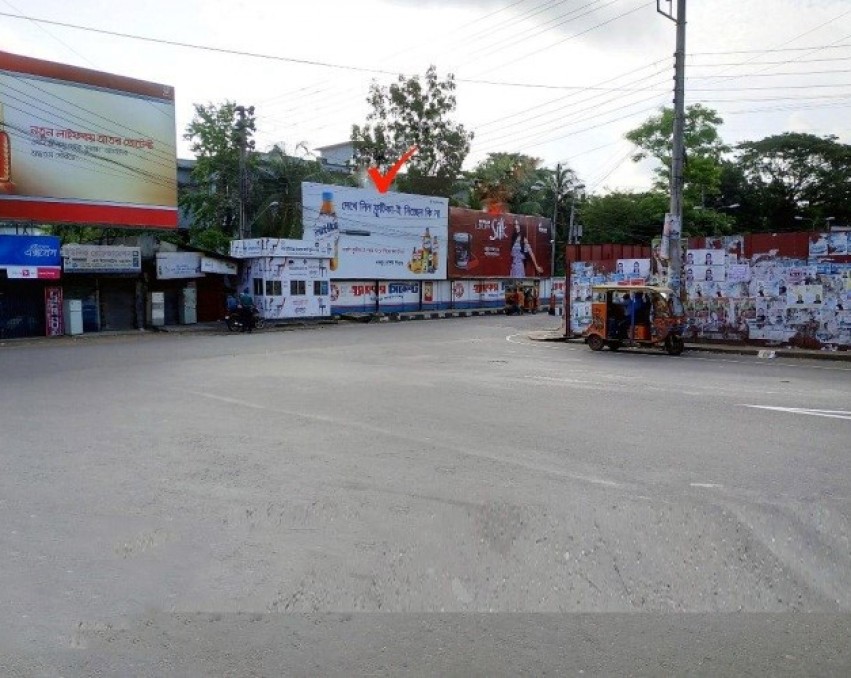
<point x="246" y="310"/>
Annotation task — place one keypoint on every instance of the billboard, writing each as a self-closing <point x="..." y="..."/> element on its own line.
<point x="377" y="236"/>
<point x="486" y="245"/>
<point x="85" y="147"/>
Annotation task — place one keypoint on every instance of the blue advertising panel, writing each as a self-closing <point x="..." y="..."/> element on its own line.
<point x="29" y="250"/>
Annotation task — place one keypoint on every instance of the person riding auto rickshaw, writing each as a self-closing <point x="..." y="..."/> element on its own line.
<point x="635" y="315"/>
<point x="521" y="296"/>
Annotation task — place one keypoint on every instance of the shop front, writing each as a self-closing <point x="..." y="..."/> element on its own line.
<point x="29" y="274"/>
<point x="194" y="285"/>
<point x="107" y="280"/>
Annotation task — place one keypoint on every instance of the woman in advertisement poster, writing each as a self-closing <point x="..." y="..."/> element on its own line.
<point x="520" y="249"/>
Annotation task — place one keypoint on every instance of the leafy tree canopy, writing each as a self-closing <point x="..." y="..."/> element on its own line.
<point x="703" y="144"/>
<point x="212" y="199"/>
<point x="415" y="111"/>
<point x="795" y="174"/>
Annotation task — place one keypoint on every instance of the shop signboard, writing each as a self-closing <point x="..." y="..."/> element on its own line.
<point x="101" y="259"/>
<point x="53" y="318"/>
<point x="277" y="247"/>
<point x="176" y="265"/>
<point x="220" y="266"/>
<point x="30" y="257"/>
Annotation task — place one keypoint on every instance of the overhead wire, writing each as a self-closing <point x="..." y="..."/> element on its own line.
<point x="537" y="9"/>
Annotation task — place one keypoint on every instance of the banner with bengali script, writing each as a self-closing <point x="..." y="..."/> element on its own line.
<point x="82" y="146"/>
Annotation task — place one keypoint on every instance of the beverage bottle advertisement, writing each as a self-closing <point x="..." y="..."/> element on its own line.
<point x="370" y="235"/>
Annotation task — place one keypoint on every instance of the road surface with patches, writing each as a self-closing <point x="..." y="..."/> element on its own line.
<point x="237" y="505"/>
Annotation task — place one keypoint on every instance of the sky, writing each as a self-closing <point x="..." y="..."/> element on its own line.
<point x="561" y="80"/>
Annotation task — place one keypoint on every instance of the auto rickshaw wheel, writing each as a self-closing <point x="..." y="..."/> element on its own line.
<point x="595" y="342"/>
<point x="674" y="345"/>
<point x="614" y="345"/>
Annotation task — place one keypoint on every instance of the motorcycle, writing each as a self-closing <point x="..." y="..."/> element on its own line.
<point x="235" y="323"/>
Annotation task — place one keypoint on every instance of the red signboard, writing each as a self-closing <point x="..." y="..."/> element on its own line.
<point x="53" y="321"/>
<point x="484" y="245"/>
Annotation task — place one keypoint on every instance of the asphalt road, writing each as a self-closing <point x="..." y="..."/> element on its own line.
<point x="361" y="500"/>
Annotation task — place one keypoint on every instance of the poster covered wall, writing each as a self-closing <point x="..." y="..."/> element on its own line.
<point x="85" y="146"/>
<point x="373" y="236"/>
<point x="767" y="297"/>
<point x="484" y="245"/>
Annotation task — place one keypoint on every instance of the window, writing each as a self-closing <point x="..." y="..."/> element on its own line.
<point x="320" y="287"/>
<point x="258" y="287"/>
<point x="274" y="288"/>
<point x="298" y="288"/>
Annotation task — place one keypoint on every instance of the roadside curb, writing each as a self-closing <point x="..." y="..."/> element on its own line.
<point x="212" y="328"/>
<point x="764" y="352"/>
<point x="220" y="327"/>
<point x="436" y="315"/>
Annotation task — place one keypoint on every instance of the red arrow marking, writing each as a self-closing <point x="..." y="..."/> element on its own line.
<point x="382" y="181"/>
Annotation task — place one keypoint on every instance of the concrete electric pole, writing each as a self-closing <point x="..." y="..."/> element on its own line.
<point x="242" y="140"/>
<point x="675" y="264"/>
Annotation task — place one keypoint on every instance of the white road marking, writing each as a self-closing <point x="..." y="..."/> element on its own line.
<point x="541" y="468"/>
<point x="707" y="485"/>
<point x="831" y="414"/>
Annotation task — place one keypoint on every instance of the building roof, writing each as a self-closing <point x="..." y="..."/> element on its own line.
<point x="329" y="147"/>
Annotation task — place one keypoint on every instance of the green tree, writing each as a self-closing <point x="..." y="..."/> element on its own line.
<point x="704" y="150"/>
<point x="505" y="179"/>
<point x="417" y="112"/>
<point x="212" y="199"/>
<point x="628" y="218"/>
<point x="796" y="175"/>
<point x="277" y="191"/>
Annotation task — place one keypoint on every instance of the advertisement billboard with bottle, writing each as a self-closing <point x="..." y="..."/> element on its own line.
<point x="484" y="245"/>
<point x="85" y="147"/>
<point x="377" y="236"/>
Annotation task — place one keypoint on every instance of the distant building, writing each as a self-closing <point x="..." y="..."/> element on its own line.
<point x="184" y="180"/>
<point x="337" y="157"/>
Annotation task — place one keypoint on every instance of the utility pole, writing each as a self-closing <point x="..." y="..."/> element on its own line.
<point x="554" y="239"/>
<point x="242" y="140"/>
<point x="573" y="236"/>
<point x="675" y="263"/>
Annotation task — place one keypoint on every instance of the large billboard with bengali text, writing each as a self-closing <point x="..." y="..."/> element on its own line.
<point x="377" y="236"/>
<point x="85" y="147"/>
<point x="484" y="245"/>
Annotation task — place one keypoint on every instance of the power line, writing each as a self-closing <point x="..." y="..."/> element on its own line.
<point x="514" y="60"/>
<point x="772" y="50"/>
<point x="771" y="63"/>
<point x="205" y="48"/>
<point x="523" y="36"/>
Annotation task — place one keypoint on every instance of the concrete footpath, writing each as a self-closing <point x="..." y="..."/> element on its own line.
<point x="767" y="352"/>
